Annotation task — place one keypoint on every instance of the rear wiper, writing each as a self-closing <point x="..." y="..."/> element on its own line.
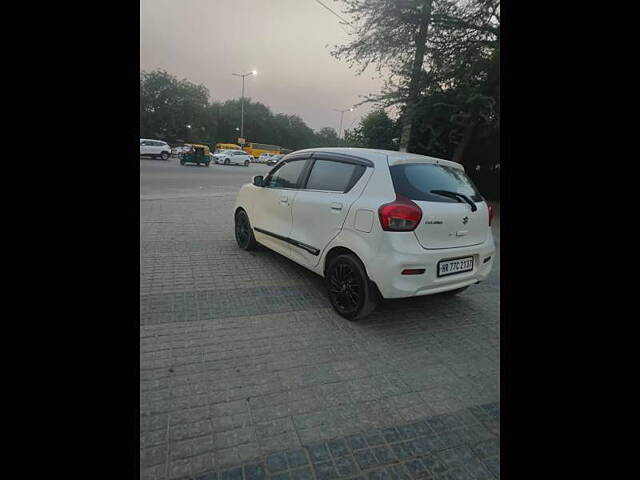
<point x="457" y="196"/>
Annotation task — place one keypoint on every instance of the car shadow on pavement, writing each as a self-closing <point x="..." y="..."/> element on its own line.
<point x="387" y="310"/>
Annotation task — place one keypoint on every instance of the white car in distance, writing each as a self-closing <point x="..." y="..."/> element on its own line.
<point x="154" y="149"/>
<point x="374" y="223"/>
<point x="233" y="157"/>
<point x="264" y="158"/>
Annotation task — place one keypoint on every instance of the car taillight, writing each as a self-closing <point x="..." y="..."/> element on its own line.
<point x="400" y="216"/>
<point x="490" y="214"/>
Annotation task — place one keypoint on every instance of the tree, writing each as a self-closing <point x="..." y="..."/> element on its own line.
<point x="168" y="105"/>
<point x="442" y="61"/>
<point x="391" y="34"/>
<point x="328" y="137"/>
<point x="375" y="130"/>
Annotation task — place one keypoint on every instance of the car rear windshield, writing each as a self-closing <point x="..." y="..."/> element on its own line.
<point x="417" y="180"/>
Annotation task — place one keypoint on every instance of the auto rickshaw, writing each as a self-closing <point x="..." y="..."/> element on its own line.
<point x="198" y="154"/>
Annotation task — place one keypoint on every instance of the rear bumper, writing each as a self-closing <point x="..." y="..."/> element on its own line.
<point x="405" y="253"/>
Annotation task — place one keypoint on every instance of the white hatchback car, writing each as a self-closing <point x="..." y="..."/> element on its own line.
<point x="373" y="223"/>
<point x="233" y="157"/>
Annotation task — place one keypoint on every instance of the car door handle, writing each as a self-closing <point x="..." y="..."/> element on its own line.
<point x="284" y="200"/>
<point x="336" y="206"/>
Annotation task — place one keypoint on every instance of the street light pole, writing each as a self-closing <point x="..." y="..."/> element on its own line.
<point x="242" y="99"/>
<point x="341" y="117"/>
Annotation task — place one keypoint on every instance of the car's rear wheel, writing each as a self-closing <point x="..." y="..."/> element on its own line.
<point x="351" y="293"/>
<point x="206" y="163"/>
<point x="244" y="232"/>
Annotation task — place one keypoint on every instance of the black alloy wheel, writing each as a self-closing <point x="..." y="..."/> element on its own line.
<point x="351" y="293"/>
<point x="244" y="232"/>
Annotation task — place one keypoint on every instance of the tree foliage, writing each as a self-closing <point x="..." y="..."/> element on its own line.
<point x="375" y="130"/>
<point x="168" y="105"/>
<point x="458" y="84"/>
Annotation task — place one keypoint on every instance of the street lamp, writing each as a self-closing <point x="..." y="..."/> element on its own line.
<point x="341" y="117"/>
<point x="253" y="72"/>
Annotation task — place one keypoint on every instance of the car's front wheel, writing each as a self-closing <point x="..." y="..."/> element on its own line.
<point x="226" y="161"/>
<point x="244" y="232"/>
<point x="165" y="156"/>
<point x="351" y="293"/>
<point x="246" y="163"/>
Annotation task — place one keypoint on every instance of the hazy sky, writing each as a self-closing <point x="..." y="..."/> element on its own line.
<point x="205" y="41"/>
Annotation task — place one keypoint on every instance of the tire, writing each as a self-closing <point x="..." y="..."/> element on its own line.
<point x="451" y="293"/>
<point x="351" y="293"/>
<point x="244" y="232"/>
<point x="164" y="156"/>
<point x="226" y="161"/>
<point x="206" y="163"/>
<point x="182" y="161"/>
<point x="246" y="163"/>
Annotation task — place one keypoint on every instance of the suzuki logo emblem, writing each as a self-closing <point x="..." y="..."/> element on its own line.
<point x="465" y="220"/>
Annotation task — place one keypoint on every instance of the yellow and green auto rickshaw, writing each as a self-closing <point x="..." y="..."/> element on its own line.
<point x="199" y="154"/>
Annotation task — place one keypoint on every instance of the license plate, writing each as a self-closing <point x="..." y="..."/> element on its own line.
<point x="459" y="265"/>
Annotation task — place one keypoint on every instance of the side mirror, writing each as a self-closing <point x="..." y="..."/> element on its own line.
<point x="257" y="180"/>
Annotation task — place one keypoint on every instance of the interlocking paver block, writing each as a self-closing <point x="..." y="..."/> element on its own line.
<point x="277" y="463"/>
<point x="325" y="471"/>
<point x="338" y="448"/>
<point x="346" y="466"/>
<point x="301" y="474"/>
<point x="254" y="471"/>
<point x="242" y="358"/>
<point x="318" y="452"/>
<point x="297" y="458"/>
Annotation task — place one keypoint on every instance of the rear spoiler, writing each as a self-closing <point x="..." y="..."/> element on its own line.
<point x="401" y="160"/>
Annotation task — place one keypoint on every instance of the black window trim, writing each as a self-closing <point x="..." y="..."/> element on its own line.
<point x="342" y="157"/>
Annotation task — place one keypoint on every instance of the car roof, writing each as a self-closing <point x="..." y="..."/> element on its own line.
<point x="383" y="157"/>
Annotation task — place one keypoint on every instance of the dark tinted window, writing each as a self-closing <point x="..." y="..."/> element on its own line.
<point x="333" y="176"/>
<point x="415" y="181"/>
<point x="287" y="175"/>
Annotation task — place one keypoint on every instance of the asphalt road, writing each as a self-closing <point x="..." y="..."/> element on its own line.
<point x="158" y="177"/>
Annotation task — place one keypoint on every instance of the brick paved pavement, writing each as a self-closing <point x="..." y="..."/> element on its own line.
<point x="247" y="373"/>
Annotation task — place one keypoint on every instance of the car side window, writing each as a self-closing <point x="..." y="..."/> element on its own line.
<point x="286" y="175"/>
<point x="333" y="176"/>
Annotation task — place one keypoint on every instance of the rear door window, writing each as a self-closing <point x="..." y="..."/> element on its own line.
<point x="333" y="176"/>
<point x="416" y="181"/>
